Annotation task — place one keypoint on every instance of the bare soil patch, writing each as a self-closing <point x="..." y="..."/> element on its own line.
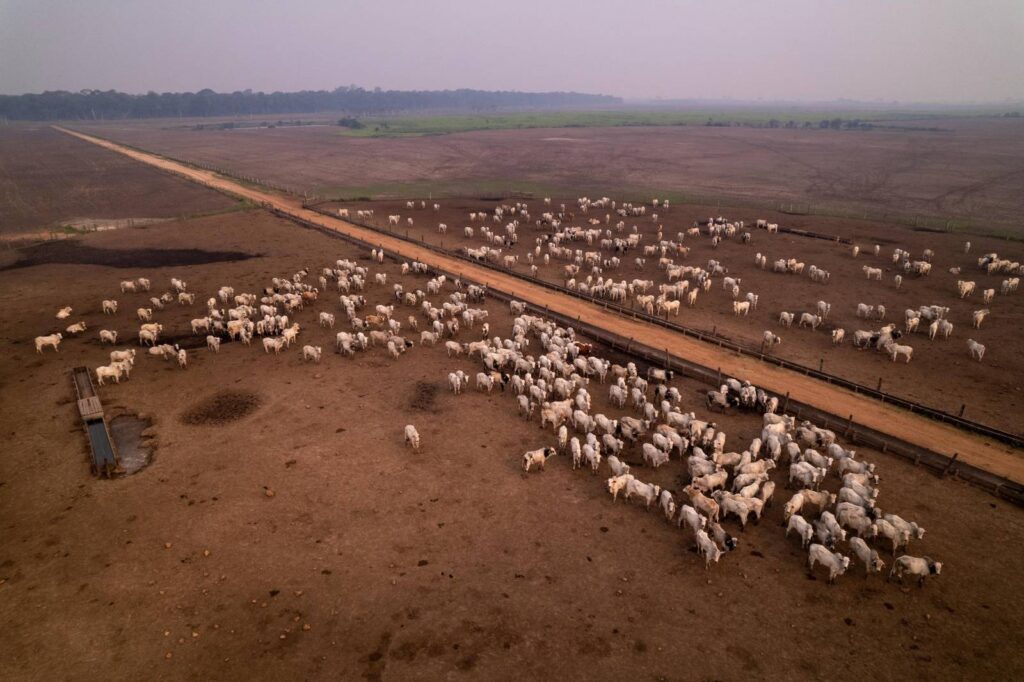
<point x="221" y="408"/>
<point x="48" y="178"/>
<point x="870" y="412"/>
<point x="971" y="169"/>
<point x="424" y="565"/>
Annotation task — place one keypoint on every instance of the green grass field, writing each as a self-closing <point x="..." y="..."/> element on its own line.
<point x="410" y="126"/>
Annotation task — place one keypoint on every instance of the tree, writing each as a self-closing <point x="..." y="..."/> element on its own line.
<point x="352" y="100"/>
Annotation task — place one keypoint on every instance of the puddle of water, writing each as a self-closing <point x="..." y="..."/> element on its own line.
<point x="126" y="430"/>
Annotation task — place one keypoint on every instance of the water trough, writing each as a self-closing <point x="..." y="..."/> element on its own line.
<point x="104" y="460"/>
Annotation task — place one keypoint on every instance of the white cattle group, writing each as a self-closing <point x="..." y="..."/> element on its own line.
<point x="930" y="319"/>
<point x="270" y="315"/>
<point x="590" y="239"/>
<point x="556" y="383"/>
<point x="552" y="375"/>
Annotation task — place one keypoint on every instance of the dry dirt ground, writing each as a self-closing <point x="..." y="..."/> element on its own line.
<point x="985" y="453"/>
<point x="371" y="561"/>
<point x="971" y="168"/>
<point x="48" y="178"/>
<point x="941" y="374"/>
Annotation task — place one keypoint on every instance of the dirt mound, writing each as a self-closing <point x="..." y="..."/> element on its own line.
<point x="221" y="408"/>
<point x="423" y="397"/>
<point x="73" y="252"/>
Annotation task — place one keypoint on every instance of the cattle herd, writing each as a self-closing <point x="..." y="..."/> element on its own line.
<point x="722" y="484"/>
<point x="834" y="509"/>
<point x="592" y="241"/>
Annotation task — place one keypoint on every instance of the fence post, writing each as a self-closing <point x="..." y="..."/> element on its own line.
<point x="950" y="465"/>
<point x="821" y="364"/>
<point x="879" y="384"/>
<point x="962" y="408"/>
<point x="785" y="405"/>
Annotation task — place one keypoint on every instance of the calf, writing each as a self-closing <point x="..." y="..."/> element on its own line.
<point x="646" y="491"/>
<point x="921" y="567"/>
<point x="538" y="457"/>
<point x="618" y="484"/>
<point x="867" y="556"/>
<point x="51" y="340"/>
<point x="707" y="549"/>
<point x="412" y="437"/>
<point x="802" y="527"/>
<point x="691" y="518"/>
<point x="835" y="562"/>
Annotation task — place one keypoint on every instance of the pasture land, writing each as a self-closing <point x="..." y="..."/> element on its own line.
<point x="412" y="566"/>
<point x="402" y="126"/>
<point x="941" y="374"/>
<point x="964" y="176"/>
<point x="49" y="180"/>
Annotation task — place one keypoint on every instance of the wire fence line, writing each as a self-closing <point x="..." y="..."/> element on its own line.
<point x="997" y="485"/>
<point x="857" y="433"/>
<point x="313" y="203"/>
<point x="712" y="337"/>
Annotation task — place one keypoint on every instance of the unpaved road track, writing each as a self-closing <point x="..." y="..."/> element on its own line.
<point x="983" y="453"/>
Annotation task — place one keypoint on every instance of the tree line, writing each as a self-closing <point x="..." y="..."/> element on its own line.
<point x="110" y="104"/>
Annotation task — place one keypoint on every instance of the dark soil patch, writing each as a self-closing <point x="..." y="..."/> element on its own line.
<point x="221" y="408"/>
<point x="72" y="252"/>
<point x="424" y="395"/>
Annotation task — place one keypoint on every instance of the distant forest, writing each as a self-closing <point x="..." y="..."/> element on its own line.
<point x="110" y="104"/>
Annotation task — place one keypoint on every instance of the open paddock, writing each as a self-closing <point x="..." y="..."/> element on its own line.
<point x="968" y="170"/>
<point x="941" y="374"/>
<point x="49" y="179"/>
<point x="284" y="529"/>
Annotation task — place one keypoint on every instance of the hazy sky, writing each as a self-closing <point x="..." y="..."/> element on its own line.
<point x="912" y="50"/>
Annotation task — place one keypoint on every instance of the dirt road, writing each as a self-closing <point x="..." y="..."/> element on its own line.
<point x="984" y="453"/>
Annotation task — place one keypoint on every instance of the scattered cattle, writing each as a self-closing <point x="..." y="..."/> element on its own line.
<point x="557" y="374"/>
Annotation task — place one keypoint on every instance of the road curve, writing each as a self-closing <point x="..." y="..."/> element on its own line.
<point x="990" y="455"/>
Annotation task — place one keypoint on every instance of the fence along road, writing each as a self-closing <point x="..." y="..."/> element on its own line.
<point x="983" y="453"/>
<point x="709" y="336"/>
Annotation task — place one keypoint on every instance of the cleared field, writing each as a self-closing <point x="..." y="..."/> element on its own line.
<point x="412" y="566"/>
<point x="401" y="126"/>
<point x="991" y="391"/>
<point x="981" y="452"/>
<point x="48" y="180"/>
<point x="969" y="172"/>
